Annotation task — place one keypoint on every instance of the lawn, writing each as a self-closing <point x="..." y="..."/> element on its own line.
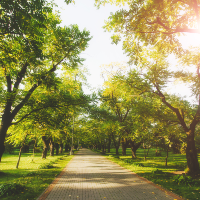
<point x="154" y="169"/>
<point x="33" y="175"/>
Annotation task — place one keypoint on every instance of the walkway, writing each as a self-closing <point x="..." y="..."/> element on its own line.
<point x="90" y="176"/>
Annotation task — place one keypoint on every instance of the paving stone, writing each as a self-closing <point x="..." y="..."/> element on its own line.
<point x="90" y="176"/>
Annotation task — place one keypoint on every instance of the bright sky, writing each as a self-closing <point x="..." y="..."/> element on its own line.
<point x="100" y="50"/>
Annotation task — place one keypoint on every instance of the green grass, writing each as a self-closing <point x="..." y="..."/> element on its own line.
<point x="30" y="173"/>
<point x="154" y="169"/>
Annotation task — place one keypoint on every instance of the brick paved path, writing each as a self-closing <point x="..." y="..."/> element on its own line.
<point x="90" y="176"/>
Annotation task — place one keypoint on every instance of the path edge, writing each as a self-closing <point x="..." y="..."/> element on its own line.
<point x="46" y="192"/>
<point x="175" y="196"/>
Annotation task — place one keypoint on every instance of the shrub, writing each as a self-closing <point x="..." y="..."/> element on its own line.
<point x="46" y="165"/>
<point x="11" y="188"/>
<point x="130" y="161"/>
<point x="184" y="180"/>
<point x="157" y="171"/>
<point x="138" y="164"/>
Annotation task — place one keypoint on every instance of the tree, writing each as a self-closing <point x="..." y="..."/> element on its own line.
<point x="33" y="45"/>
<point x="129" y="101"/>
<point x="156" y="25"/>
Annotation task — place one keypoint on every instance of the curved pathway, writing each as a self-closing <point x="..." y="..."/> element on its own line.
<point x="90" y="176"/>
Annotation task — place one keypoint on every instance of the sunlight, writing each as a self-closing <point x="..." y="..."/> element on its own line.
<point x="190" y="39"/>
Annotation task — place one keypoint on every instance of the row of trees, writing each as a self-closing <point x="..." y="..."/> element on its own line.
<point x="150" y="30"/>
<point x="134" y="106"/>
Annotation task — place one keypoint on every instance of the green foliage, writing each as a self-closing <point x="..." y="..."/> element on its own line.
<point x="46" y="165"/>
<point x="9" y="148"/>
<point x="185" y="180"/>
<point x="157" y="171"/>
<point x="131" y="161"/>
<point x="11" y="189"/>
<point x="33" y="45"/>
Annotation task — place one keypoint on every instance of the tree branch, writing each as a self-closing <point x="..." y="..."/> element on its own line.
<point x="175" y="110"/>
<point x="20" y="105"/>
<point x="20" y="76"/>
<point x="9" y="83"/>
<point x="127" y="111"/>
<point x="44" y="107"/>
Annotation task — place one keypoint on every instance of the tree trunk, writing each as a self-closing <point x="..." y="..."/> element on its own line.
<point x="103" y="149"/>
<point x="57" y="148"/>
<point x="99" y="146"/>
<point x="3" y="130"/>
<point x="45" y="148"/>
<point x="133" y="151"/>
<point x="116" y="144"/>
<point x="109" y="143"/>
<point x="148" y="151"/>
<point x="20" y="152"/>
<point x="66" y="147"/>
<point x="134" y="148"/>
<point x="191" y="154"/>
<point x="123" y="147"/>
<point x="51" y="147"/>
<point x="61" y="148"/>
<point x="117" y="150"/>
<point x="167" y="155"/>
<point x="34" y="149"/>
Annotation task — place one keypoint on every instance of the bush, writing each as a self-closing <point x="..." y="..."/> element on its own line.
<point x="130" y="161"/>
<point x="10" y="189"/>
<point x="157" y="171"/>
<point x="184" y="180"/>
<point x="46" y="165"/>
<point x="138" y="164"/>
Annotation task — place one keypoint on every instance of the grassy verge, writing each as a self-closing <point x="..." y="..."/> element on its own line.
<point x="154" y="169"/>
<point x="32" y="177"/>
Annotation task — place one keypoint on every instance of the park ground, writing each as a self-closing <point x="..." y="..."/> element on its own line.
<point x="35" y="174"/>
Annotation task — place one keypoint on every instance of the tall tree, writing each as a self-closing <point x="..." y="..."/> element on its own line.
<point x="33" y="46"/>
<point x="157" y="24"/>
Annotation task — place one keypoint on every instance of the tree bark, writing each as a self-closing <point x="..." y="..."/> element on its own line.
<point x="167" y="155"/>
<point x="20" y="152"/>
<point x="61" y="148"/>
<point x="57" y="148"/>
<point x="124" y="146"/>
<point x="109" y="143"/>
<point x="45" y="148"/>
<point x="116" y="144"/>
<point x="191" y="154"/>
<point x="66" y="147"/>
<point x="99" y="146"/>
<point x="51" y="142"/>
<point x="134" y="148"/>
<point x="5" y="123"/>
